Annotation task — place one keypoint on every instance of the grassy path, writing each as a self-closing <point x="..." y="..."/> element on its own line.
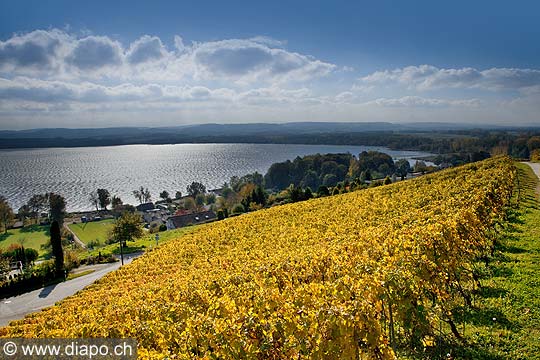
<point x="505" y="320"/>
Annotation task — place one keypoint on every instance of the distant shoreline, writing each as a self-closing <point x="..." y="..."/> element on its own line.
<point x="412" y="136"/>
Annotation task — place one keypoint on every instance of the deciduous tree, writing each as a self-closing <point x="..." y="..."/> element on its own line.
<point x="94" y="199"/>
<point x="116" y="201"/>
<point x="402" y="168"/>
<point x="37" y="204"/>
<point x="164" y="195"/>
<point x="6" y="214"/>
<point x="127" y="227"/>
<point x="104" y="198"/>
<point x="196" y="188"/>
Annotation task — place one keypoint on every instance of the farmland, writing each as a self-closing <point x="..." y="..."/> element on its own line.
<point x="361" y="274"/>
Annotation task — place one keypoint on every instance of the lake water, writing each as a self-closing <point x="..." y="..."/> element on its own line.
<point x="75" y="172"/>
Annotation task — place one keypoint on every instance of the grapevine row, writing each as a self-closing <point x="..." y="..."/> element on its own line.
<point x="344" y="277"/>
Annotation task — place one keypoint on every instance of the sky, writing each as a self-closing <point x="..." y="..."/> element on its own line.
<point x="161" y="63"/>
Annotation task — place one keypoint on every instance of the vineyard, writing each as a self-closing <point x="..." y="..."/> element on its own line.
<point x="349" y="276"/>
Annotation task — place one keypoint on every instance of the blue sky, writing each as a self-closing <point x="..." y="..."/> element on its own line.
<point x="116" y="63"/>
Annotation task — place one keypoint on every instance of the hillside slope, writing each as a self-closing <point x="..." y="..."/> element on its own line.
<point x="339" y="277"/>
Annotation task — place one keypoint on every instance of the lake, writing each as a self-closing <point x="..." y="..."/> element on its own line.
<point x="75" y="172"/>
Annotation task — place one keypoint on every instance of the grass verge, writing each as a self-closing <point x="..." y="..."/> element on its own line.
<point x="33" y="236"/>
<point x="146" y="242"/>
<point x="79" y="274"/>
<point x="96" y="232"/>
<point x="504" y="320"/>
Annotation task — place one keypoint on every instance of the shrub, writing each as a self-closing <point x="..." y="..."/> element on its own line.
<point x="238" y="209"/>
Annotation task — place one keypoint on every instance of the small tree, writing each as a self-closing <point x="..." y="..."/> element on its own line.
<point x="164" y="195"/>
<point x="127" y="227"/>
<point x="104" y="198"/>
<point x="178" y="195"/>
<point x="4" y="265"/>
<point x="56" y="244"/>
<point x="308" y="194"/>
<point x="196" y="188"/>
<point x="24" y="212"/>
<point x="147" y="196"/>
<point x="322" y="191"/>
<point x="199" y="200"/>
<point x="420" y="166"/>
<point x="30" y="255"/>
<point x="6" y="214"/>
<point x="37" y="204"/>
<point x="403" y="168"/>
<point x="116" y="202"/>
<point x="189" y="203"/>
<point x="139" y="194"/>
<point x="238" y="209"/>
<point x="220" y="215"/>
<point x="94" y="199"/>
<point x="210" y="199"/>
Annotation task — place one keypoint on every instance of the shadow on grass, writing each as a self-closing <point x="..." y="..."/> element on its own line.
<point x="488" y="316"/>
<point x="513" y="217"/>
<point x="35" y="228"/>
<point x="501" y="271"/>
<point x="129" y="249"/>
<point x="452" y="350"/>
<point x="4" y="236"/>
<point x="491" y="292"/>
<point x="511" y="248"/>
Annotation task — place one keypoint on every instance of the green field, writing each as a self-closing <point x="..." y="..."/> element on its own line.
<point x="93" y="231"/>
<point x="146" y="242"/>
<point x="30" y="237"/>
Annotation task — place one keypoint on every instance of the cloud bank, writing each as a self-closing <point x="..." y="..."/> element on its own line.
<point x="55" y="53"/>
<point x="426" y="77"/>
<point x="56" y="78"/>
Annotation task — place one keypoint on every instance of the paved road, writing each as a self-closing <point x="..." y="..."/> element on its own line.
<point x="18" y="306"/>
<point x="536" y="169"/>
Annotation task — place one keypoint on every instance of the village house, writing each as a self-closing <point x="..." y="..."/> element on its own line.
<point x="178" y="221"/>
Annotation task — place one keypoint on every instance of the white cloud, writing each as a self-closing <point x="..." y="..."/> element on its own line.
<point x="54" y="72"/>
<point x="55" y="53"/>
<point x="95" y="53"/>
<point x="179" y="43"/>
<point x="146" y="49"/>
<point x="345" y="97"/>
<point x="37" y="91"/>
<point x="275" y="96"/>
<point x="418" y="101"/>
<point x="36" y="50"/>
<point x="44" y="91"/>
<point x="425" y="77"/>
<point x="251" y="60"/>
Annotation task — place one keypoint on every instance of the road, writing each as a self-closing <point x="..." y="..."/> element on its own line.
<point x="535" y="167"/>
<point x="17" y="307"/>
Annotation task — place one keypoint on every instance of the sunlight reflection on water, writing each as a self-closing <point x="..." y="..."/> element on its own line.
<point x="75" y="172"/>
